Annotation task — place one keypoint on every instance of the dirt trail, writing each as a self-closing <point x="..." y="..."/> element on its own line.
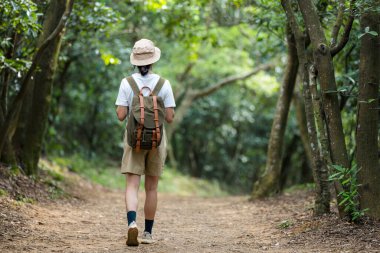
<point x="183" y="224"/>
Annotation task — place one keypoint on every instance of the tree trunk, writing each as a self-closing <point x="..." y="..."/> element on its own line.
<point x="18" y="139"/>
<point x="299" y="106"/>
<point x="289" y="174"/>
<point x="269" y="183"/>
<point x="326" y="77"/>
<point x="8" y="156"/>
<point x="368" y="115"/>
<point x="322" y="204"/>
<point x="322" y="155"/>
<point x="42" y="91"/>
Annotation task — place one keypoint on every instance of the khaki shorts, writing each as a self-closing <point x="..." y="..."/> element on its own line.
<point x="144" y="162"/>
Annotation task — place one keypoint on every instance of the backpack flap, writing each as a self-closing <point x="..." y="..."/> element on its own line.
<point x="148" y="111"/>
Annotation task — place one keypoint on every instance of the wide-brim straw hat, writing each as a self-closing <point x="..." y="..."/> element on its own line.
<point x="144" y="53"/>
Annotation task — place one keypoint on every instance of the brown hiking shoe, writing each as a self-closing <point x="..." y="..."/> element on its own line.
<point x="132" y="234"/>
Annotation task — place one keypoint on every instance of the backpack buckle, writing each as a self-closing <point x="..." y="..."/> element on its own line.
<point x="147" y="136"/>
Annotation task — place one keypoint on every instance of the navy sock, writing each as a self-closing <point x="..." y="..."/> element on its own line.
<point x="149" y="226"/>
<point x="131" y="216"/>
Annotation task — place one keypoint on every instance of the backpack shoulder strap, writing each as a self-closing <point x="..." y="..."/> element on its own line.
<point x="158" y="86"/>
<point x="133" y="85"/>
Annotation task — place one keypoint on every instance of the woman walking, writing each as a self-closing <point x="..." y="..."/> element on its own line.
<point x="136" y="162"/>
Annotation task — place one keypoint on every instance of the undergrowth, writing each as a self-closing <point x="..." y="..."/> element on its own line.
<point x="300" y="187"/>
<point x="107" y="173"/>
<point x="349" y="197"/>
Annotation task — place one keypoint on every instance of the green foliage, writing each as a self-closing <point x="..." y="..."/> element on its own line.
<point x="96" y="169"/>
<point x="176" y="182"/>
<point x="3" y="193"/>
<point x="15" y="170"/>
<point x="367" y="31"/>
<point x="82" y="119"/>
<point x="367" y="6"/>
<point x="232" y="144"/>
<point x="55" y="191"/>
<point x="18" y="28"/>
<point x="300" y="187"/>
<point x="22" y="15"/>
<point x="26" y="200"/>
<point x="90" y="17"/>
<point x="55" y="179"/>
<point x="347" y="177"/>
<point x="285" y="224"/>
<point x="56" y="176"/>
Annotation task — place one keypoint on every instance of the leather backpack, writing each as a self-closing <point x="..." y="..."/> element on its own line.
<point x="146" y="117"/>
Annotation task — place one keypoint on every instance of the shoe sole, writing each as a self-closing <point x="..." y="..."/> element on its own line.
<point x="147" y="241"/>
<point x="132" y="237"/>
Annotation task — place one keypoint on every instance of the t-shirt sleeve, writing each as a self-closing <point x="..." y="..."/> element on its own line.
<point x="169" y="96"/>
<point x="124" y="94"/>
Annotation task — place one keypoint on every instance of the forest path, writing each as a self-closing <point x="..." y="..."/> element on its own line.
<point x="183" y="224"/>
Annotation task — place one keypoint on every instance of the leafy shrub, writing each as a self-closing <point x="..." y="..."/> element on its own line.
<point x="347" y="177"/>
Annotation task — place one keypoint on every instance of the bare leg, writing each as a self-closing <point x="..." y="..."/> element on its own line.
<point x="131" y="192"/>
<point x="151" y="183"/>
<point x="131" y="201"/>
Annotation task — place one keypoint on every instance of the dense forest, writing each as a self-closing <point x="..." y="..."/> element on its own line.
<point x="269" y="94"/>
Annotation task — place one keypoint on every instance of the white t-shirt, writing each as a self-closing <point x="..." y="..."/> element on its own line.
<point x="125" y="96"/>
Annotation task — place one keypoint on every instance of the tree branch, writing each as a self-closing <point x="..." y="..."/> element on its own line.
<point x="182" y="77"/>
<point x="229" y="80"/>
<point x="346" y="34"/>
<point x="294" y="25"/>
<point x="302" y="41"/>
<point x="338" y="23"/>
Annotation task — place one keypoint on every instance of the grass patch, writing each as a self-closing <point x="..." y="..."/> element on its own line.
<point x="15" y="171"/>
<point x="300" y="187"/>
<point x="97" y="170"/>
<point x="57" y="193"/>
<point x="24" y="199"/>
<point x="107" y="173"/>
<point x="285" y="224"/>
<point x="175" y="182"/>
<point x="3" y="193"/>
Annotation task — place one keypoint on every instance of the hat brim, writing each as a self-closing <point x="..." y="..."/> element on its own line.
<point x="155" y="58"/>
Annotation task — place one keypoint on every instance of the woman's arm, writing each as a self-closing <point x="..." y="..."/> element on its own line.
<point x="169" y="114"/>
<point x="121" y="112"/>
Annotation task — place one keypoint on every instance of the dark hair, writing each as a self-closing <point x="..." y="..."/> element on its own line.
<point x="144" y="69"/>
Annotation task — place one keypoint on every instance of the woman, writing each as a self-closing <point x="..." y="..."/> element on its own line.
<point x="145" y="162"/>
